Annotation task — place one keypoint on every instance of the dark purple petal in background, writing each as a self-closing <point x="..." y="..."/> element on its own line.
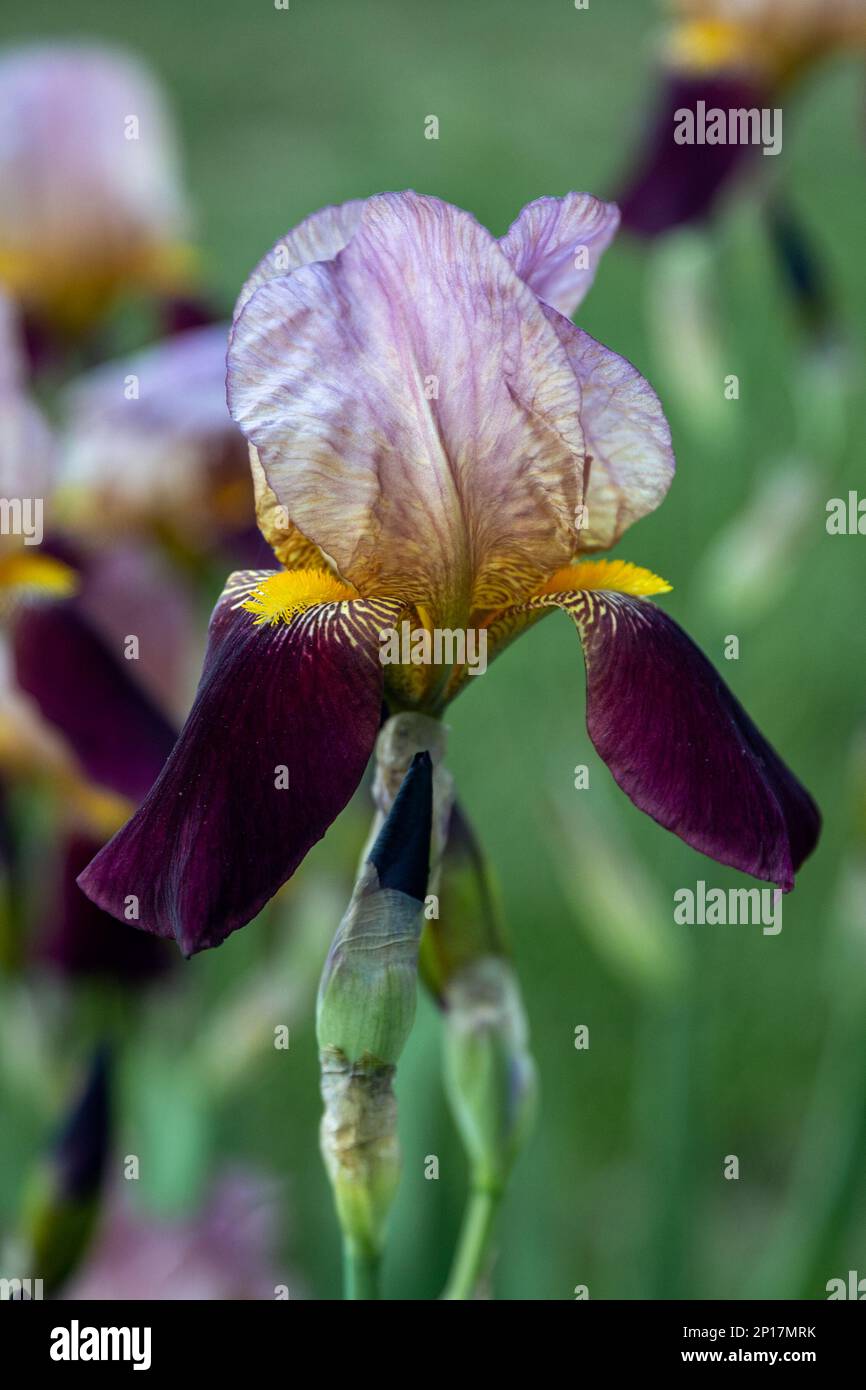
<point x="681" y="745"/>
<point x="82" y="940"/>
<point x="672" y="184"/>
<point x="184" y="312"/>
<point x="803" y="271"/>
<point x="119" y="736"/>
<point x="220" y="831"/>
<point x="128" y="587"/>
<point x="81" y="1149"/>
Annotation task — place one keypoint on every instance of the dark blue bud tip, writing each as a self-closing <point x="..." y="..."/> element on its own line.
<point x="401" y="853"/>
<point x="81" y="1150"/>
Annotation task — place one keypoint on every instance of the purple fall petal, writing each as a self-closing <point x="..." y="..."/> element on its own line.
<point x="120" y="737"/>
<point x="220" y="831"/>
<point x="681" y="745"/>
<point x="674" y="184"/>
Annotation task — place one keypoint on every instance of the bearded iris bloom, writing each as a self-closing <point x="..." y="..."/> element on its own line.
<point x="432" y="438"/>
<point x="734" y="55"/>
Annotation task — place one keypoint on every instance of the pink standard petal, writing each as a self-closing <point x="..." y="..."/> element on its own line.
<point x="318" y="238"/>
<point x="414" y="411"/>
<point x="555" y="245"/>
<point x="628" y="439"/>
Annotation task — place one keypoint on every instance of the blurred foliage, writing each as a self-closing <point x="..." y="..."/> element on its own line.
<point x="750" y="1049"/>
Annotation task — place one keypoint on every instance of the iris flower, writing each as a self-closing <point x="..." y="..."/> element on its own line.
<point x="432" y="440"/>
<point x="731" y="54"/>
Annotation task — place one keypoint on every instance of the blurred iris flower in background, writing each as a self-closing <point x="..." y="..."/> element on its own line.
<point x="91" y="202"/>
<point x="149" y="444"/>
<point x="224" y="1250"/>
<point x="728" y="54"/>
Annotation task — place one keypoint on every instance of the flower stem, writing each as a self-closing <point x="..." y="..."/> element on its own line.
<point x="360" y="1272"/>
<point x="473" y="1249"/>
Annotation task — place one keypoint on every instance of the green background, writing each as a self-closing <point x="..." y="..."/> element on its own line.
<point x="704" y="1041"/>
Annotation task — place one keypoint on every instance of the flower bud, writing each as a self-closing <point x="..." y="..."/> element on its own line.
<point x="365" y="1011"/>
<point x="367" y="995"/>
<point x="468" y="924"/>
<point x="489" y="1072"/>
